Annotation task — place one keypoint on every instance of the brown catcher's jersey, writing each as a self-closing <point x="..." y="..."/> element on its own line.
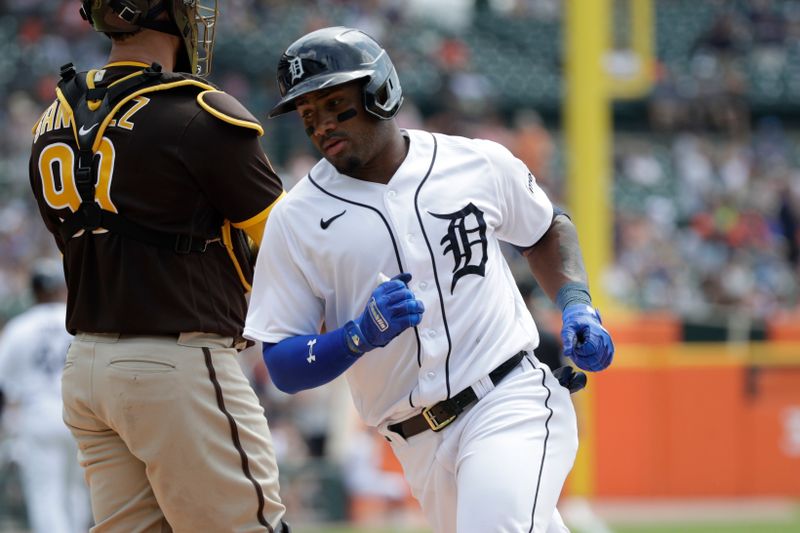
<point x="169" y="162"/>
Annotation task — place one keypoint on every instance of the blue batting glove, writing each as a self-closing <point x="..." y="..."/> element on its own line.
<point x="391" y="309"/>
<point x="585" y="340"/>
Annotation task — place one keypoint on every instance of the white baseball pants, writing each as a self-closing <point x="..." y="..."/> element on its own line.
<point x="501" y="465"/>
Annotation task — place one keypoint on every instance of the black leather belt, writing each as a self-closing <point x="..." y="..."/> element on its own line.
<point x="440" y="415"/>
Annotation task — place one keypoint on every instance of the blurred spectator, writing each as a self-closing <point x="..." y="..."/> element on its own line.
<point x="533" y="144"/>
<point x="693" y="171"/>
<point x="667" y="105"/>
<point x="771" y="145"/>
<point x="789" y="223"/>
<point x="724" y="37"/>
<point x="765" y="23"/>
<point x="452" y="14"/>
<point x="641" y="166"/>
<point x="719" y="102"/>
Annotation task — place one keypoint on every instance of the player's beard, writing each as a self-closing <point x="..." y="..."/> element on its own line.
<point x="352" y="161"/>
<point x="365" y="146"/>
<point x="350" y="165"/>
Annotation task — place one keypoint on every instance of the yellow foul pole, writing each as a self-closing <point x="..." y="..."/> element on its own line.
<point x="588" y="129"/>
<point x="588" y="94"/>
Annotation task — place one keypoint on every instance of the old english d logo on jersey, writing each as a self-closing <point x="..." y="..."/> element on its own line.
<point x="467" y="229"/>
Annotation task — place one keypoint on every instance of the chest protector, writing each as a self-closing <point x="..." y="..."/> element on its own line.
<point x="92" y="109"/>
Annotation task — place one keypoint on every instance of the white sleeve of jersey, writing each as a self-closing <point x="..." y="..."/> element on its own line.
<point x="282" y="303"/>
<point x="525" y="208"/>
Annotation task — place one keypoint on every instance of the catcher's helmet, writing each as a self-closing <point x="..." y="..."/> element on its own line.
<point x="334" y="56"/>
<point x="191" y="20"/>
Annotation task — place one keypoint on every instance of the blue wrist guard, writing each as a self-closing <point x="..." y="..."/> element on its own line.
<point x="571" y="293"/>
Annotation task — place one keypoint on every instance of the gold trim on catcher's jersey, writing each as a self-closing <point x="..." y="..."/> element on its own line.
<point x="254" y="226"/>
<point x="250" y="124"/>
<point x="260" y="217"/>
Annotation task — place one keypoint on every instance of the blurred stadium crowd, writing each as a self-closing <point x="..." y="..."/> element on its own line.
<point x="706" y="168"/>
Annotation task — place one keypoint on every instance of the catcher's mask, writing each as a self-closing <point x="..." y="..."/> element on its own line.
<point x="334" y="56"/>
<point x="191" y="20"/>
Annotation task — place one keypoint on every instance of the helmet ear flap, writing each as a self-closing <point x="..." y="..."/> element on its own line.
<point x="383" y="100"/>
<point x="119" y="16"/>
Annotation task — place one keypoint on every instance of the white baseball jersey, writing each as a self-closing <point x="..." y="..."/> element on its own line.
<point x="441" y="217"/>
<point x="33" y="347"/>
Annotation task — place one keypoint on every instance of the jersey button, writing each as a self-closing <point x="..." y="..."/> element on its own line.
<point x="431" y="375"/>
<point x="410" y="237"/>
<point x="431" y="333"/>
<point x="423" y="285"/>
<point x="391" y="194"/>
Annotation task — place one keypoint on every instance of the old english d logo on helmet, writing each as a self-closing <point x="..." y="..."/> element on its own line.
<point x="334" y="56"/>
<point x="296" y="68"/>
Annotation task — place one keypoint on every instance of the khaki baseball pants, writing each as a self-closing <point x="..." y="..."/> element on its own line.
<point x="170" y="434"/>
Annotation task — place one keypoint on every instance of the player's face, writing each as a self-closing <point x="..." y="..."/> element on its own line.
<point x="340" y="128"/>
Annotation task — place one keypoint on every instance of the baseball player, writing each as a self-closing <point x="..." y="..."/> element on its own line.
<point x="154" y="184"/>
<point x="33" y="347"/>
<point x="392" y="242"/>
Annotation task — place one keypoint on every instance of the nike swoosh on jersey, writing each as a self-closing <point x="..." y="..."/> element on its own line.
<point x="84" y="131"/>
<point x="325" y="223"/>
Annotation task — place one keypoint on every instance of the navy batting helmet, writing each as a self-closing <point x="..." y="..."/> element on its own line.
<point x="333" y="56"/>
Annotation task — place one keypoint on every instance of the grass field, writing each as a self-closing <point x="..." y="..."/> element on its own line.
<point x="753" y="527"/>
<point x="712" y="528"/>
<point x="671" y="528"/>
<point x="735" y="517"/>
<point x="791" y="525"/>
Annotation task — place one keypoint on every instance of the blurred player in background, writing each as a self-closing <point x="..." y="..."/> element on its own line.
<point x="33" y="347"/>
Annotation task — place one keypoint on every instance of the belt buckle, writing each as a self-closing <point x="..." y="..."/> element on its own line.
<point x="433" y="422"/>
